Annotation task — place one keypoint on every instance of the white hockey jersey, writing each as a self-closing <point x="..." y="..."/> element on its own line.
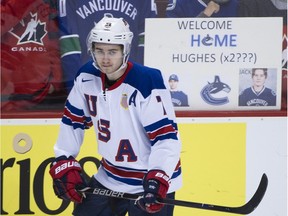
<point x="134" y="122"/>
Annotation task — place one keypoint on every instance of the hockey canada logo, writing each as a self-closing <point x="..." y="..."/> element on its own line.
<point x="30" y="30"/>
<point x="211" y="93"/>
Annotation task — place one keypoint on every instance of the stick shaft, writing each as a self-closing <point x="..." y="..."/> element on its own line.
<point x="245" y="209"/>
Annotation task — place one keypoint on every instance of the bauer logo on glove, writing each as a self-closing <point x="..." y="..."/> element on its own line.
<point x="66" y="165"/>
<point x="67" y="176"/>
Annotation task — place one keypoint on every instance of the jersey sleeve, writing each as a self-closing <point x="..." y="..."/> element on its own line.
<point x="74" y="121"/>
<point x="69" y="42"/>
<point x="183" y="8"/>
<point x="187" y="8"/>
<point x="54" y="47"/>
<point x="272" y="99"/>
<point x="148" y="10"/>
<point x="185" y="99"/>
<point x="159" y="121"/>
<point x="244" y="96"/>
<point x="245" y="8"/>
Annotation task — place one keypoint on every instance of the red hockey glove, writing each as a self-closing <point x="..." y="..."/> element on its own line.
<point x="66" y="174"/>
<point x="155" y="185"/>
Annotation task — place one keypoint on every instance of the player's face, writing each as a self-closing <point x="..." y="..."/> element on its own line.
<point x="109" y="57"/>
<point x="259" y="78"/>
<point x="173" y="84"/>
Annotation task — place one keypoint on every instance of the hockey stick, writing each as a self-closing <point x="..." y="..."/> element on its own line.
<point x="245" y="209"/>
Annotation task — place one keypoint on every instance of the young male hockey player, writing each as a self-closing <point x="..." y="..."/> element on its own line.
<point x="179" y="98"/>
<point x="135" y="127"/>
<point x="77" y="18"/>
<point x="258" y="94"/>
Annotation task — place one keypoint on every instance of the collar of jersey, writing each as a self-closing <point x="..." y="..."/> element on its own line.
<point x="120" y="81"/>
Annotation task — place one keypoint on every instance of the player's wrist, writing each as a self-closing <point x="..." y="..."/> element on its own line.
<point x="156" y="177"/>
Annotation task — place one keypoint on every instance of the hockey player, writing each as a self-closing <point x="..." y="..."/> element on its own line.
<point x="179" y="98"/>
<point x="258" y="94"/>
<point x="77" y="18"/>
<point x="134" y="123"/>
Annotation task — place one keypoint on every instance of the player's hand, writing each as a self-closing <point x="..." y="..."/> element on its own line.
<point x="155" y="185"/>
<point x="212" y="7"/>
<point x="66" y="174"/>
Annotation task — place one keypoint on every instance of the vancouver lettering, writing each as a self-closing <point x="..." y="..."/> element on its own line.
<point x="109" y="5"/>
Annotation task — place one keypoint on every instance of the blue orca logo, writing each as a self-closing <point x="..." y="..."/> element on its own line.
<point x="212" y="88"/>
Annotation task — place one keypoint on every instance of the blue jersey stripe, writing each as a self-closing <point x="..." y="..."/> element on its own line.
<point x="161" y="130"/>
<point x="75" y="117"/>
<point x="129" y="181"/>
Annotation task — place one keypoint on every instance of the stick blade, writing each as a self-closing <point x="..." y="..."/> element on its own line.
<point x="252" y="204"/>
<point x="245" y="209"/>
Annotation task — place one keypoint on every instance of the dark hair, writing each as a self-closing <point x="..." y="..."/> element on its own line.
<point x="263" y="69"/>
<point x="94" y="44"/>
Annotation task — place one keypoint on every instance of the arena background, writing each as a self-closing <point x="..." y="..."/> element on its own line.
<point x="224" y="153"/>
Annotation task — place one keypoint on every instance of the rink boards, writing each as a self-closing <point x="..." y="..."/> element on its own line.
<point x="222" y="161"/>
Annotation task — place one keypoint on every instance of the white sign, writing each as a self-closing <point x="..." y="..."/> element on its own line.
<point x="211" y="61"/>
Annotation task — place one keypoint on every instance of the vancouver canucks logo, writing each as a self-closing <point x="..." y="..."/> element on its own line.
<point x="30" y="30"/>
<point x="210" y="93"/>
<point x="207" y="41"/>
